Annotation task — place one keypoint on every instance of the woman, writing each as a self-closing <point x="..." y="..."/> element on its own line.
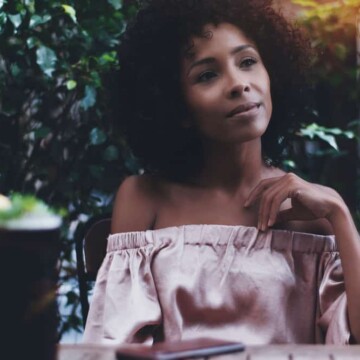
<point x="215" y="240"/>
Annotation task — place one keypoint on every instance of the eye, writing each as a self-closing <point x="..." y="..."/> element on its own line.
<point x="206" y="76"/>
<point x="248" y="62"/>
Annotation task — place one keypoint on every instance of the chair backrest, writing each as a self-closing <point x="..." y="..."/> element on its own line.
<point x="95" y="242"/>
<point x="90" y="252"/>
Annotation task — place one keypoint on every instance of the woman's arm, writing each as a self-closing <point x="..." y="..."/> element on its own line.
<point x="348" y="242"/>
<point x="310" y="202"/>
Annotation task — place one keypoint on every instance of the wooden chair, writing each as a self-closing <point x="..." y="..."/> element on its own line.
<point x="90" y="252"/>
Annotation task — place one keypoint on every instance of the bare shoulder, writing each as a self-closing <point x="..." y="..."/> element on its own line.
<point x="135" y="204"/>
<point x="273" y="171"/>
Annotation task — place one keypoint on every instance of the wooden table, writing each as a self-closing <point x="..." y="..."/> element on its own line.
<point x="281" y="352"/>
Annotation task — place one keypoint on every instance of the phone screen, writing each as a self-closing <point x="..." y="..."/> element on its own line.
<point x="203" y="347"/>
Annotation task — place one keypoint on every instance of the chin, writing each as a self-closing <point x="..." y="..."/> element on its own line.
<point x="250" y="133"/>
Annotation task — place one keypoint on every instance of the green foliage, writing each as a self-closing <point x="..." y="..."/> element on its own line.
<point x="21" y="204"/>
<point x="56" y="138"/>
<point x="332" y="30"/>
<point x="328" y="135"/>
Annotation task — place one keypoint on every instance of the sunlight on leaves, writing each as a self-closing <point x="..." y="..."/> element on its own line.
<point x="89" y="99"/>
<point x="306" y="3"/>
<point x="16" y="20"/>
<point x="71" y="84"/>
<point x="323" y="11"/>
<point x="326" y="134"/>
<point x="70" y="11"/>
<point x="46" y="59"/>
<point x="97" y="137"/>
<point x="3" y="20"/>
<point x="36" y="20"/>
<point x="30" y="5"/>
<point x="32" y="42"/>
<point x="117" y="4"/>
<point x="289" y="163"/>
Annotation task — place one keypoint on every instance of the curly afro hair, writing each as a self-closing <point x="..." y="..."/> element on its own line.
<point x="149" y="102"/>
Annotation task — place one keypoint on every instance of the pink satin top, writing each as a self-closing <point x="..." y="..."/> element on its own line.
<point x="227" y="282"/>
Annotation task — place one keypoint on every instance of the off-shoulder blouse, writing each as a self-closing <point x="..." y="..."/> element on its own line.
<point x="228" y="282"/>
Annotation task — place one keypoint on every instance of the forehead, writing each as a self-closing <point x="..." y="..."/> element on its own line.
<point x="215" y="38"/>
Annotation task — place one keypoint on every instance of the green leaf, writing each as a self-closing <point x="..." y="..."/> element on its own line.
<point x="42" y="132"/>
<point x="71" y="84"/>
<point x="46" y="59"/>
<point x="31" y="42"/>
<point x="15" y="19"/>
<point x="108" y="58"/>
<point x="3" y="19"/>
<point x="349" y="134"/>
<point x="96" y="79"/>
<point x="117" y="4"/>
<point x="70" y="11"/>
<point x="334" y="131"/>
<point x="15" y="70"/>
<point x="96" y="171"/>
<point x="89" y="99"/>
<point x="97" y="136"/>
<point x="2" y="3"/>
<point x="289" y="163"/>
<point x="30" y="5"/>
<point x="307" y="132"/>
<point x="325" y="134"/>
<point x="21" y="204"/>
<point x="111" y="153"/>
<point x="37" y="20"/>
<point x="330" y="139"/>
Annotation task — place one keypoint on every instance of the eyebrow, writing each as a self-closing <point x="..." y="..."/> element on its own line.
<point x="210" y="60"/>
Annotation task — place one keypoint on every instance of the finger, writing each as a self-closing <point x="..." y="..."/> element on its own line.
<point x="286" y="187"/>
<point x="298" y="212"/>
<point x="256" y="192"/>
<point x="275" y="208"/>
<point x="270" y="204"/>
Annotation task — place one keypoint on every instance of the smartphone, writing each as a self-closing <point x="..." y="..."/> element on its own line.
<point x="202" y="347"/>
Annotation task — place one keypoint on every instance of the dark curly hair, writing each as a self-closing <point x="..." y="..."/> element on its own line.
<point x="149" y="101"/>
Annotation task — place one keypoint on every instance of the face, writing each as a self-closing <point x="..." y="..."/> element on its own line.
<point x="226" y="86"/>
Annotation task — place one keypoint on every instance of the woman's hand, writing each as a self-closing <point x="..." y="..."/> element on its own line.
<point x="308" y="201"/>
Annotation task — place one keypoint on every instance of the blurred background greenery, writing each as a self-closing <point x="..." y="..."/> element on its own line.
<point x="56" y="133"/>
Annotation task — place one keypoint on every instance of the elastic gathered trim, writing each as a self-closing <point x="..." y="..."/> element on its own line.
<point x="225" y="235"/>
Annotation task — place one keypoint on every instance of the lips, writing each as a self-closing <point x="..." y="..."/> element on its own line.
<point x="243" y="108"/>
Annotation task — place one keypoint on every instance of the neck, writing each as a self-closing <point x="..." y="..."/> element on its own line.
<point x="233" y="166"/>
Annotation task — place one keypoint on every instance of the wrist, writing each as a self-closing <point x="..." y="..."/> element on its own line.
<point x="338" y="213"/>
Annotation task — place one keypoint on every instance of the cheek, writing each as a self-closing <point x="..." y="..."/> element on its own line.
<point x="200" y="103"/>
<point x="269" y="104"/>
<point x="267" y="97"/>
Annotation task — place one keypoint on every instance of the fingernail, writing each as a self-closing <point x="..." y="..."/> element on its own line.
<point x="246" y="204"/>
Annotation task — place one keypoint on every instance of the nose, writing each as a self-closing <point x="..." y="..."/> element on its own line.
<point x="238" y="90"/>
<point x="237" y="85"/>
